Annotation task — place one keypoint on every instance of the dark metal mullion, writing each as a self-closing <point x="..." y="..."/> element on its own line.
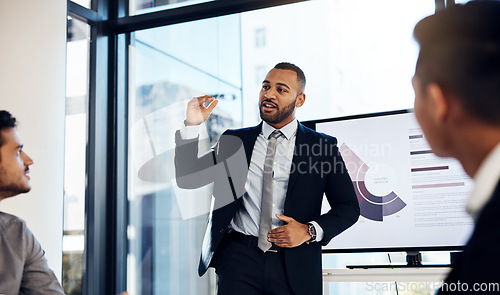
<point x="118" y="159"/>
<point x="93" y="4"/>
<point x="121" y="151"/>
<point x="440" y="5"/>
<point x="96" y="274"/>
<point x="117" y="152"/>
<point x="112" y="160"/>
<point x="113" y="187"/>
<point x="188" y="13"/>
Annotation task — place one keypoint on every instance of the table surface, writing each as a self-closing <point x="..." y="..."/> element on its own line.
<point x="386" y="274"/>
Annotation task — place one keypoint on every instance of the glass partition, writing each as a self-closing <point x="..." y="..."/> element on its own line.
<point x="169" y="66"/>
<point x="358" y="57"/>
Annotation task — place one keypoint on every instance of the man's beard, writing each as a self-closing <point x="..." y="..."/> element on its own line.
<point x="12" y="185"/>
<point x="280" y="115"/>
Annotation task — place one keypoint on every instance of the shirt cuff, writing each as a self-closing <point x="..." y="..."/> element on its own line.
<point x="319" y="231"/>
<point x="189" y="132"/>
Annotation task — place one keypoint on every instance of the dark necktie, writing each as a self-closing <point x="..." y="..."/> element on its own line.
<point x="266" y="207"/>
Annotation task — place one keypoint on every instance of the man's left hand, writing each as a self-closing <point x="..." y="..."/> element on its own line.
<point x="290" y="235"/>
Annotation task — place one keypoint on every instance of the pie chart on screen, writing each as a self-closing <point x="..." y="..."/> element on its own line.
<point x="374" y="186"/>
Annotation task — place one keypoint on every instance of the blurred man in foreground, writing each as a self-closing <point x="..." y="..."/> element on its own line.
<point x="457" y="103"/>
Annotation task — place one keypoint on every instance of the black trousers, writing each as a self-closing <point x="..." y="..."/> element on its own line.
<point x="243" y="269"/>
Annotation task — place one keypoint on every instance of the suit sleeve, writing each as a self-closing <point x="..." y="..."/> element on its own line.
<point x="192" y="171"/>
<point x="38" y="278"/>
<point x="340" y="194"/>
<point x="477" y="264"/>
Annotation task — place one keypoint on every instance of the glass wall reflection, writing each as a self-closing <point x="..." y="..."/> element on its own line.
<point x="170" y="66"/>
<point x="358" y="57"/>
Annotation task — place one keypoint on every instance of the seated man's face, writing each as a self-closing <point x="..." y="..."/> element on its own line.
<point x="14" y="165"/>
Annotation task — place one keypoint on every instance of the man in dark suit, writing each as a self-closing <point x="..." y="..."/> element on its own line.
<point x="266" y="228"/>
<point x="457" y="103"/>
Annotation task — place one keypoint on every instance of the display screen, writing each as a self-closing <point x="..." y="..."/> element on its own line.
<point x="409" y="198"/>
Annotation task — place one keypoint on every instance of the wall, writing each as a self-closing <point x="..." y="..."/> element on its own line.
<point x="32" y="88"/>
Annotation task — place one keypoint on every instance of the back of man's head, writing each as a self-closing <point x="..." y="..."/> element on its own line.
<point x="460" y="51"/>
<point x="6" y="121"/>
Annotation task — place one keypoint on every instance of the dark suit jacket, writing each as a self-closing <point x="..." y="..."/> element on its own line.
<point x="478" y="262"/>
<point x="317" y="169"/>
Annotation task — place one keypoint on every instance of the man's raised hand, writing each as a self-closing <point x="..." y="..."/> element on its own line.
<point x="196" y="112"/>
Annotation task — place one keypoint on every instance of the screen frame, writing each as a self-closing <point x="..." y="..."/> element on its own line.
<point x="312" y="125"/>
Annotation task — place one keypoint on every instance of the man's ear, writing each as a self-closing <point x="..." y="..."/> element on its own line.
<point x="300" y="100"/>
<point x="439" y="101"/>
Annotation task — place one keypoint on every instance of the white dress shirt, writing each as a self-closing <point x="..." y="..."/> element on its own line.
<point x="486" y="180"/>
<point x="247" y="217"/>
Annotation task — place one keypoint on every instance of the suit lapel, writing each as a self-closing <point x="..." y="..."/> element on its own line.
<point x="249" y="139"/>
<point x="298" y="157"/>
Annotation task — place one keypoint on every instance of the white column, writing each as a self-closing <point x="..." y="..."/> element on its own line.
<point x="32" y="88"/>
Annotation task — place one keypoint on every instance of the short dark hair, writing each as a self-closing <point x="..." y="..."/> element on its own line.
<point x="460" y="51"/>
<point x="300" y="74"/>
<point x="6" y="121"/>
